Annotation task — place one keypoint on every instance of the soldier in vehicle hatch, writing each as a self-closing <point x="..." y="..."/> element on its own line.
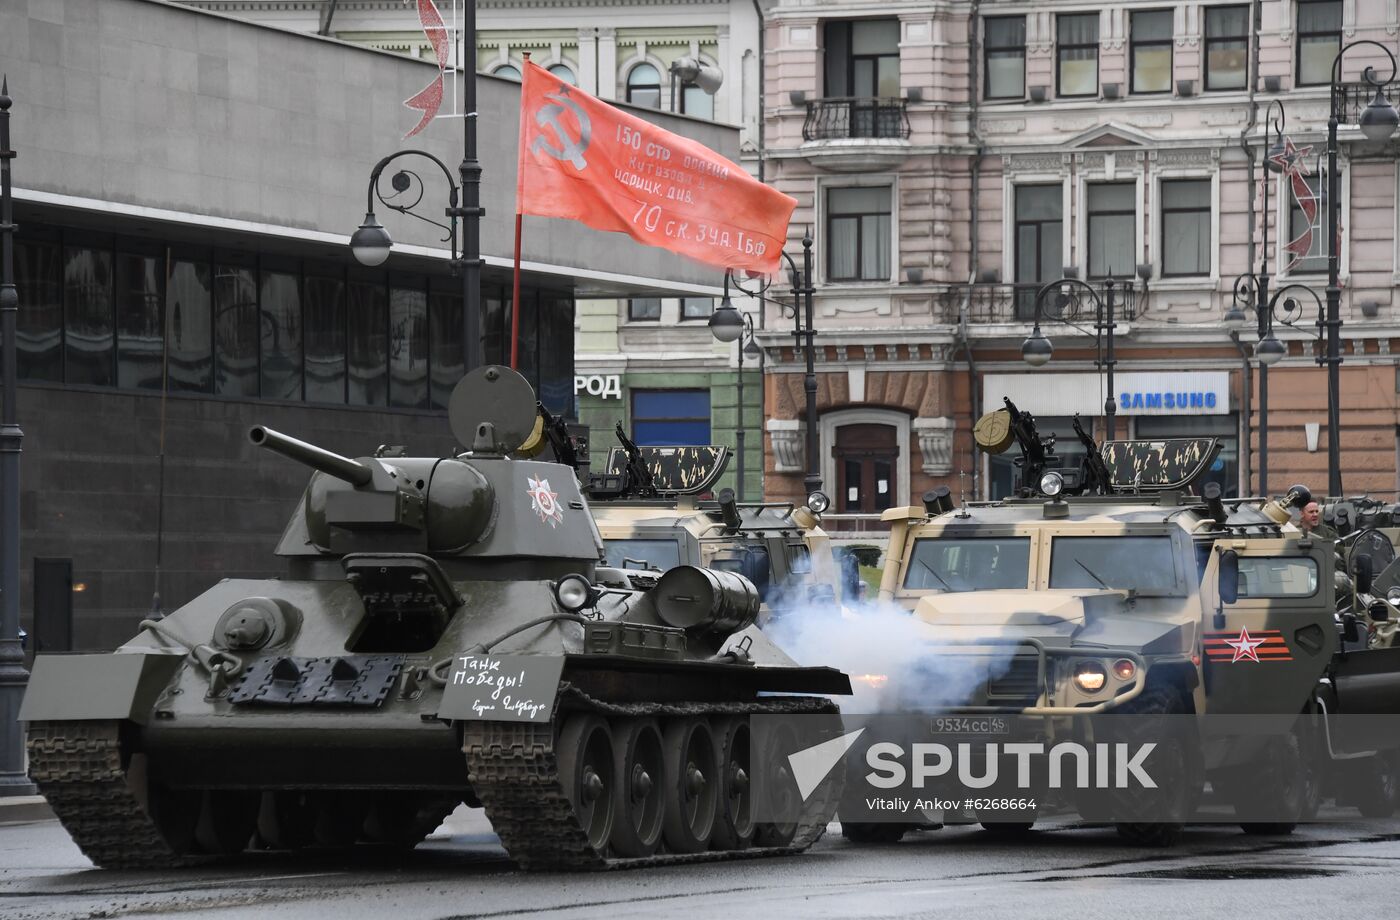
<point x="1311" y="523"/>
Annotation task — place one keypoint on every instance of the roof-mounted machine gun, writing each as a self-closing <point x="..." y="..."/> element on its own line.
<point x="997" y="430"/>
<point x="1096" y="477"/>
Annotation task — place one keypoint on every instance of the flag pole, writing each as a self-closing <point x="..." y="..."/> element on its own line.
<point x="519" y="219"/>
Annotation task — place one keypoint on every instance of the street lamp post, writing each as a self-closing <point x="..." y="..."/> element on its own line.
<point x="13" y="677"/>
<point x="803" y="287"/>
<point x="1377" y="122"/>
<point x="371" y="243"/>
<point x="1037" y="350"/>
<point x="727" y="324"/>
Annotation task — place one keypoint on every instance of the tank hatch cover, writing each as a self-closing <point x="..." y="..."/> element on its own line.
<point x="497" y="396"/>
<point x="1154" y="466"/>
<point x="677" y="470"/>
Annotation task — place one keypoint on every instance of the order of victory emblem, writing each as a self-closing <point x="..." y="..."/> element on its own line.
<point x="545" y="502"/>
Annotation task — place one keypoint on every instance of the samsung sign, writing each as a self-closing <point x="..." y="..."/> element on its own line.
<point x="1166" y="393"/>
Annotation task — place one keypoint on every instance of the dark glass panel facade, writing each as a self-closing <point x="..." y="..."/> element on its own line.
<point x="39" y="326"/>
<point x="325" y="339"/>
<point x="408" y="348"/>
<point x="556" y="347"/>
<point x="279" y="310"/>
<point x="368" y="312"/>
<point x="140" y="346"/>
<point x="235" y="329"/>
<point x="87" y="298"/>
<point x="448" y="359"/>
<point x="189" y="330"/>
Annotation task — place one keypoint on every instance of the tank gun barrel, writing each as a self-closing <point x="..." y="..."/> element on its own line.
<point x="317" y="458"/>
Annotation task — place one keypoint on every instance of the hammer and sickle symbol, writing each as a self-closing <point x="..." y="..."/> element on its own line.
<point x="551" y="116"/>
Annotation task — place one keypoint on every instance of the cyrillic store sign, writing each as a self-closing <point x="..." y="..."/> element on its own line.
<point x="605" y="386"/>
<point x="1139" y="393"/>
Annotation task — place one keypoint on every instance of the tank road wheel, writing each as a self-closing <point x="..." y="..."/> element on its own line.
<point x="403" y="818"/>
<point x="639" y="779"/>
<point x="286" y="819"/>
<point x="692" y="784"/>
<point x="340" y="817"/>
<point x="734" y="825"/>
<point x="227" y="822"/>
<point x="781" y="799"/>
<point x="176" y="815"/>
<point x="586" y="769"/>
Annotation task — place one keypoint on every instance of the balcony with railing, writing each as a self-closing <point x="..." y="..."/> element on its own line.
<point x="856" y="118"/>
<point x="1015" y="303"/>
<point x="1349" y="100"/>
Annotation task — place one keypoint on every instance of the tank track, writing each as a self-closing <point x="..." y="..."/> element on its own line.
<point x="78" y="766"/>
<point x="513" y="771"/>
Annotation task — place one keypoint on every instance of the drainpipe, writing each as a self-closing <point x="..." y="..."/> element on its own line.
<point x="762" y="79"/>
<point x="1246" y="374"/>
<point x="962" y="341"/>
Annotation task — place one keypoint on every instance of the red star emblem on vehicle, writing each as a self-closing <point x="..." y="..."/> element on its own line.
<point x="544" y="502"/>
<point x="1246" y="647"/>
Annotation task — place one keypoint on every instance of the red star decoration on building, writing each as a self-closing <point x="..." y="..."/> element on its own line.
<point x="1292" y="158"/>
<point x="1246" y="647"/>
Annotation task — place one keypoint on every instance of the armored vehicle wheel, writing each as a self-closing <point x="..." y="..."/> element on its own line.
<point x="640" y="785"/>
<point x="586" y="769"/>
<point x="1177" y="776"/>
<point x="692" y="784"/>
<point x="872" y="832"/>
<point x="340" y="819"/>
<point x="1274" y="785"/>
<point x="1377" y="794"/>
<point x="734" y="825"/>
<point x="403" y="818"/>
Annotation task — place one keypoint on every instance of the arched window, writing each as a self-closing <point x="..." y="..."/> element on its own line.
<point x="509" y="71"/>
<point x="644" y="86"/>
<point x="565" y="73"/>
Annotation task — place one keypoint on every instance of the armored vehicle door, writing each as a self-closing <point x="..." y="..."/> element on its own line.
<point x="1264" y="648"/>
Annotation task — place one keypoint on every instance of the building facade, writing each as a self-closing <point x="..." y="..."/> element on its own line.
<point x="185" y="187"/>
<point x="949" y="158"/>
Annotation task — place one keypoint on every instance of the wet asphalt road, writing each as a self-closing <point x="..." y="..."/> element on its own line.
<point x="1345" y="868"/>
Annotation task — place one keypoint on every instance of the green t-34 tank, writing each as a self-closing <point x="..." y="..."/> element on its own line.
<point x="444" y="632"/>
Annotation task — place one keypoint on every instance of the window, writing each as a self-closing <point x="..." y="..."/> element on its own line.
<point x="862" y="58"/>
<point x="1152" y="52"/>
<point x="644" y="309"/>
<point x="188" y="329"/>
<point x="39" y="326"/>
<point x="664" y="418"/>
<point x="1319" y="40"/>
<point x="661" y="555"/>
<point x="408" y="347"/>
<point x="1077" y="55"/>
<point x="1227" y="47"/>
<point x="139" y="335"/>
<point x="697" y="307"/>
<point x="1135" y="563"/>
<point x="280" y="310"/>
<point x="235" y="326"/>
<point x="448" y="358"/>
<point x="858" y="234"/>
<point x="1277" y="576"/>
<point x="325" y="339"/>
<point x="969" y="564"/>
<point x="695" y="101"/>
<point x="1039" y="235"/>
<point x="1186" y="227"/>
<point x="1004" y="57"/>
<point x="644" y="86"/>
<point x="368" y="352"/>
<point x="564" y="72"/>
<point x="509" y="71"/>
<point x="1302" y="230"/>
<point x="1112" y="221"/>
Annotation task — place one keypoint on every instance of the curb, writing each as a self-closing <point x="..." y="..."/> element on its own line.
<point x="24" y="809"/>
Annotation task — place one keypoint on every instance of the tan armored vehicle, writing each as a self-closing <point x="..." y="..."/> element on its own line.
<point x="1110" y="588"/>
<point x="651" y="517"/>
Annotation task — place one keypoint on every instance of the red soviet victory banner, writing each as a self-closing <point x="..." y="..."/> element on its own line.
<point x="582" y="159"/>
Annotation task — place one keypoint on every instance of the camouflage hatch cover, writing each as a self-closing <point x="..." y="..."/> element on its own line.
<point x="677" y="470"/>
<point x="1159" y="465"/>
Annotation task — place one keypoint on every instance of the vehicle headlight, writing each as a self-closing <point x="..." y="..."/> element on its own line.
<point x="1124" y="669"/>
<point x="1052" y="484"/>
<point x="817" y="502"/>
<point x="1090" y="676"/>
<point x="573" y="592"/>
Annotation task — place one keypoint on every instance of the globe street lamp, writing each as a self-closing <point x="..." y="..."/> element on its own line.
<point x="803" y="287"/>
<point x="13" y="677"/>
<point x="729" y="325"/>
<point x="1377" y="122"/>
<point x="1065" y="307"/>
